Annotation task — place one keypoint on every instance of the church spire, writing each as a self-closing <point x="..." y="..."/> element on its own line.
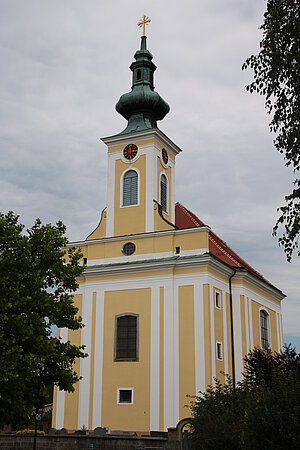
<point x="142" y="107"/>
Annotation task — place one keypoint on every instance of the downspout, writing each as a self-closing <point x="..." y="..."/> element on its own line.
<point x="231" y="326"/>
<point x="160" y="212"/>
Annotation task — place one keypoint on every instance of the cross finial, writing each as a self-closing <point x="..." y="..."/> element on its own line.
<point x="143" y="22"/>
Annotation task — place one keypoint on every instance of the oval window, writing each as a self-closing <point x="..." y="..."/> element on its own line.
<point x="128" y="248"/>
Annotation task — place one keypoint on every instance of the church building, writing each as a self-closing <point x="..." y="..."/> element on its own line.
<point x="167" y="305"/>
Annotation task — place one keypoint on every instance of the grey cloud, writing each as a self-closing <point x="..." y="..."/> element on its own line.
<point x="64" y="66"/>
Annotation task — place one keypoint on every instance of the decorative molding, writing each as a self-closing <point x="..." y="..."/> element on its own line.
<point x="136" y="136"/>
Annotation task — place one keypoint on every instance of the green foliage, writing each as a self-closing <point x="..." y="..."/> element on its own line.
<point x="37" y="278"/>
<point x="28" y="432"/>
<point x="260" y="412"/>
<point x="263" y="366"/>
<point x="277" y="77"/>
<point x="214" y="414"/>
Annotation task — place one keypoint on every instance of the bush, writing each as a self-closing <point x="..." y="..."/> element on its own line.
<point x="261" y="412"/>
<point x="28" y="432"/>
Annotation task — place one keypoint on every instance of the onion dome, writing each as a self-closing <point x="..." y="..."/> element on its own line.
<point x="142" y="107"/>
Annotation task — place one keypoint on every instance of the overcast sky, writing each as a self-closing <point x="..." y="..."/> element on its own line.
<point x="64" y="65"/>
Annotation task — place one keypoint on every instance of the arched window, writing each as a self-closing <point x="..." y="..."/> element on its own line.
<point x="126" y="333"/>
<point x="130" y="188"/>
<point x="163" y="192"/>
<point x="264" y="329"/>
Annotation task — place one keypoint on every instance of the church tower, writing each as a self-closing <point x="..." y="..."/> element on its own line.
<point x="168" y="306"/>
<point x="141" y="159"/>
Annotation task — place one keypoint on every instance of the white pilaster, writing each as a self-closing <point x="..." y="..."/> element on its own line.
<point x="60" y="400"/>
<point x="97" y="400"/>
<point x="213" y="340"/>
<point x="169" y="349"/>
<point x="199" y="338"/>
<point x="237" y="332"/>
<point x="110" y="195"/>
<point x="225" y="335"/>
<point x="85" y="363"/>
<point x="155" y="357"/>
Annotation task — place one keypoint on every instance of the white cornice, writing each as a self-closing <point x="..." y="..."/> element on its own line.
<point x="244" y="275"/>
<point x="157" y="264"/>
<point x="182" y="262"/>
<point x="153" y="132"/>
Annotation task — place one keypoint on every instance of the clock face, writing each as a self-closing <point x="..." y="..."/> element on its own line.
<point x="165" y="156"/>
<point x="130" y="151"/>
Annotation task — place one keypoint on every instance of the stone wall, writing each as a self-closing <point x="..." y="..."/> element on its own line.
<point x="161" y="441"/>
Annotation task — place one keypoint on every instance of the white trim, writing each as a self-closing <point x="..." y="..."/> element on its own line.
<point x="110" y="195"/>
<point x="168" y="357"/>
<point x="237" y="332"/>
<point x="98" y="364"/>
<point x="280" y="332"/>
<point x="212" y="333"/>
<point x="85" y="363"/>
<point x="172" y="166"/>
<point x="176" y="351"/>
<point x="246" y="324"/>
<point x="277" y="328"/>
<point x="225" y="333"/>
<point x="155" y="358"/>
<point x="162" y="138"/>
<point x="151" y="182"/>
<point x="258" y="298"/>
<point x="122" y="186"/>
<point x="199" y="338"/>
<point x="250" y="322"/>
<point x="60" y="399"/>
<point x="125" y="389"/>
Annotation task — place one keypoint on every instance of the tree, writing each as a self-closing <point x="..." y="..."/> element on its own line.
<point x="277" y="76"/>
<point x="37" y="278"/>
<point x="260" y="412"/>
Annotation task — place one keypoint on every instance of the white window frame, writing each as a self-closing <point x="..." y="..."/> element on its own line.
<point x="219" y="343"/>
<point x="122" y="185"/>
<point x="167" y="191"/>
<point x="269" y="328"/>
<point x="124" y="389"/>
<point x="218" y="294"/>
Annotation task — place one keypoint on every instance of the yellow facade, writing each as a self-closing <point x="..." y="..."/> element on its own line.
<point x="120" y="298"/>
<point x="135" y="375"/>
<point x="194" y="316"/>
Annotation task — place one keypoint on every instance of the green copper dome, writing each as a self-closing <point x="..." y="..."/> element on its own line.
<point x="142" y="107"/>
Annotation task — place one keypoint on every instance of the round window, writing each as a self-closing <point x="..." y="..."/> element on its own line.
<point x="128" y="248"/>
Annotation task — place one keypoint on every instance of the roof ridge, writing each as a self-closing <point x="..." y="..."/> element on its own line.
<point x="222" y="249"/>
<point x="189" y="214"/>
<point x="239" y="257"/>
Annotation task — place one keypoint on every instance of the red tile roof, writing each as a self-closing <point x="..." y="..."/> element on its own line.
<point x="217" y="247"/>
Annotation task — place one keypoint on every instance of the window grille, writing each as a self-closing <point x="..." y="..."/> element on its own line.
<point x="163" y="192"/>
<point x="264" y="329"/>
<point x="126" y="338"/>
<point x="125" y="396"/>
<point x="130" y="188"/>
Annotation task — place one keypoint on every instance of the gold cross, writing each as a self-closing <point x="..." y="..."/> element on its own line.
<point x="143" y="22"/>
